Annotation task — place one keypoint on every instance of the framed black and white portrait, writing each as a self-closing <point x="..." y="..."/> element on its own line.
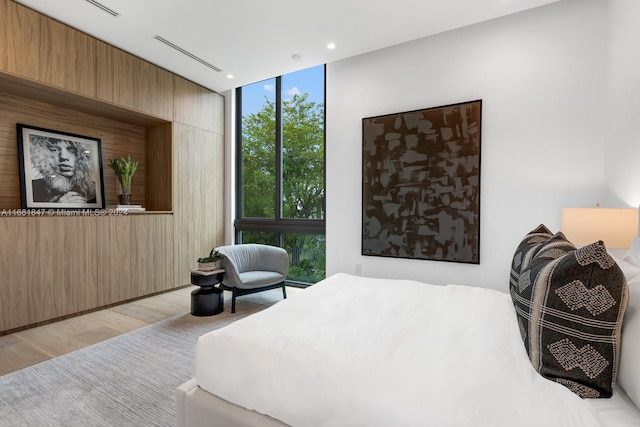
<point x="59" y="170"/>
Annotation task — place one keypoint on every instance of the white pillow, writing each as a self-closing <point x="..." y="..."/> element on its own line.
<point x="629" y="369"/>
<point x="633" y="254"/>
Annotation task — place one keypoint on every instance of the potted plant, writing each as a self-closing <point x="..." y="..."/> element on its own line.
<point x="124" y="170"/>
<point x="211" y="262"/>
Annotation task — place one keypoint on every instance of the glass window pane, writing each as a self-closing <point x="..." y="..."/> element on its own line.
<point x="306" y="257"/>
<point x="299" y="178"/>
<point x="303" y="144"/>
<point x="258" y="149"/>
<point x="262" y="237"/>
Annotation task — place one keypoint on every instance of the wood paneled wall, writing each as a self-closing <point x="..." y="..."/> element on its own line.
<point x="158" y="148"/>
<point x="198" y="153"/>
<point x="38" y="48"/>
<point x="61" y="266"/>
<point x="57" y="266"/>
<point x="48" y="268"/>
<point x="198" y="107"/>
<point x="129" y="81"/>
<point x="56" y="77"/>
<point x="199" y="211"/>
<point x="14" y="266"/>
<point x="117" y="139"/>
<point x="19" y="40"/>
<point x="66" y="58"/>
<point x="142" y="265"/>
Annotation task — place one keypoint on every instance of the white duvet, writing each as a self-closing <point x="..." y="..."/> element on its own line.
<point x="355" y="351"/>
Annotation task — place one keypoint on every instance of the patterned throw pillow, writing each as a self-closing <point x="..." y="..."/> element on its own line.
<point x="538" y="248"/>
<point x="570" y="304"/>
<point x="525" y="252"/>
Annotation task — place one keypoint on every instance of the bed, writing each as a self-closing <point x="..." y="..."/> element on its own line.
<point x="356" y="351"/>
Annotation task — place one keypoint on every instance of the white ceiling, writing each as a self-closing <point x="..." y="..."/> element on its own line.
<point x="255" y="39"/>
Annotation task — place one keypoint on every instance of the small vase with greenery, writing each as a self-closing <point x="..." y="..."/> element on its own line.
<point x="124" y="170"/>
<point x="210" y="262"/>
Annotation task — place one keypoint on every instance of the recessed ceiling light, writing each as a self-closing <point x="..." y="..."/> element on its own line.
<point x="331" y="46"/>
<point x="296" y="57"/>
<point x="229" y="76"/>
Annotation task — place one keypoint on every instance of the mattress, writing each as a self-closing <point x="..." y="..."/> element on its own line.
<point x="353" y="351"/>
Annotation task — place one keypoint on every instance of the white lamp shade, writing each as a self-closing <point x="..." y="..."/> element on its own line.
<point x="615" y="227"/>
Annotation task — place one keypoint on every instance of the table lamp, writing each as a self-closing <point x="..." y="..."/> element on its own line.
<point x="615" y="227"/>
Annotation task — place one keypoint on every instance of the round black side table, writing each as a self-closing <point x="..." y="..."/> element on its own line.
<point x="208" y="300"/>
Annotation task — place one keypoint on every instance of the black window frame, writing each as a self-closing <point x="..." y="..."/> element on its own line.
<point x="278" y="225"/>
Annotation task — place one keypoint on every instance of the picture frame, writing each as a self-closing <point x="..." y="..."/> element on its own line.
<point x="59" y="170"/>
<point x="421" y="184"/>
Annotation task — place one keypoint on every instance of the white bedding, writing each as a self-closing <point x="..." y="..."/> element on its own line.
<point x="354" y="351"/>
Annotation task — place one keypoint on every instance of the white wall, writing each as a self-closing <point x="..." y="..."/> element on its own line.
<point x="541" y="75"/>
<point x="622" y="137"/>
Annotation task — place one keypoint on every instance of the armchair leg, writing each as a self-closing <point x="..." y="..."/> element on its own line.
<point x="233" y="300"/>
<point x="238" y="292"/>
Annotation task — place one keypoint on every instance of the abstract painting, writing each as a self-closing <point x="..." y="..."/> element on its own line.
<point x="421" y="184"/>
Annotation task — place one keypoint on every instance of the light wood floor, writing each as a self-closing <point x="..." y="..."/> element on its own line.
<point x="31" y="346"/>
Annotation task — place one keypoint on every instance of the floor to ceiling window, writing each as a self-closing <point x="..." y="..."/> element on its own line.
<point x="281" y="169"/>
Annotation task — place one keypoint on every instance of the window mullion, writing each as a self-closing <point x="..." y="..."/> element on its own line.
<point x="278" y="136"/>
<point x="239" y="175"/>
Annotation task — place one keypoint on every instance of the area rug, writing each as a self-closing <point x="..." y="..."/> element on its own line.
<point x="129" y="380"/>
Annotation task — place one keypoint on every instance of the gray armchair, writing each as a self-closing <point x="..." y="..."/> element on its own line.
<point x="251" y="268"/>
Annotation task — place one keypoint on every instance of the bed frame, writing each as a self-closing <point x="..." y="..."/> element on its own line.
<point x="196" y="408"/>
